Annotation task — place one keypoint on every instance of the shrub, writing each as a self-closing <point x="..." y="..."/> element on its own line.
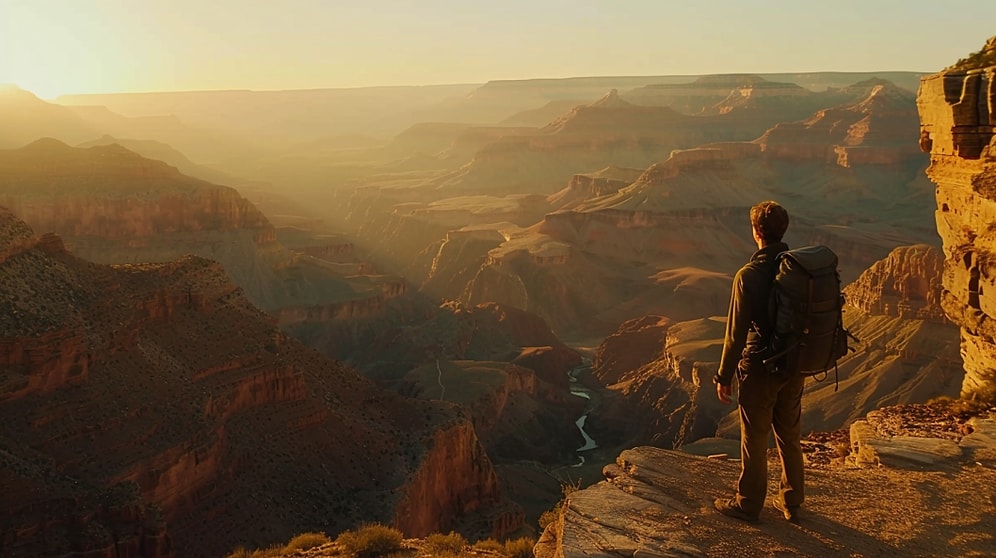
<point x="272" y="552"/>
<point x="370" y="540"/>
<point x="550" y="516"/>
<point x="437" y="543"/>
<point x="307" y="541"/>
<point x="489" y="545"/>
<point x="567" y="488"/>
<point x="520" y="548"/>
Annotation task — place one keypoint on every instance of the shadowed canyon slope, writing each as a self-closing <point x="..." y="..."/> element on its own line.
<point x="163" y="380"/>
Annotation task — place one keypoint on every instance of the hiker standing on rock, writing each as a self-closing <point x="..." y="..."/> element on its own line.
<point x="767" y="400"/>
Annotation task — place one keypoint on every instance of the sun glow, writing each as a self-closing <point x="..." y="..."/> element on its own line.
<point x="52" y="50"/>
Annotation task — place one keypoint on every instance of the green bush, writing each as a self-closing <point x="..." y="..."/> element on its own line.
<point x="370" y="540"/>
<point x="520" y="548"/>
<point x="307" y="541"/>
<point x="438" y="543"/>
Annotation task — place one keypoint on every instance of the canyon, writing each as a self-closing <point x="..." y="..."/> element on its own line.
<point x="373" y="317"/>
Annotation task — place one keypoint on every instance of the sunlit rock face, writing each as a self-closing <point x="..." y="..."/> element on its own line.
<point x="906" y="284"/>
<point x="164" y="379"/>
<point x="875" y="129"/>
<point x="958" y="118"/>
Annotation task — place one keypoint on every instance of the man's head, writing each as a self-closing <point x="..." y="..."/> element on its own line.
<point x="769" y="221"/>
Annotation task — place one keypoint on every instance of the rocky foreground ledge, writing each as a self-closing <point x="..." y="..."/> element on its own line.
<point x="657" y="503"/>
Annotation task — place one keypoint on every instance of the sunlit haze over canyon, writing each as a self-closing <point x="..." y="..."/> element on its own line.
<point x="452" y="279"/>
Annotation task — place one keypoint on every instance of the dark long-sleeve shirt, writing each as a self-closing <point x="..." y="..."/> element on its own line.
<point x="747" y="322"/>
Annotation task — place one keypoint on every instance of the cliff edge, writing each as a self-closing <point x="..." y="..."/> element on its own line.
<point x="957" y="123"/>
<point x="932" y="501"/>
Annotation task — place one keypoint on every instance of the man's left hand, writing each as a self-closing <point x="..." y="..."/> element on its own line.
<point x="724" y="393"/>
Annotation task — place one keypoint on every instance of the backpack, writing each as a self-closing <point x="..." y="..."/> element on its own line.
<point x="805" y="308"/>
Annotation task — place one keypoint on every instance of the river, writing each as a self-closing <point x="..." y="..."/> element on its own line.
<point x="592" y="401"/>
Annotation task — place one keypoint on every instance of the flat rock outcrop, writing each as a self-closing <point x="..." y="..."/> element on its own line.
<point x="958" y="122"/>
<point x="657" y="502"/>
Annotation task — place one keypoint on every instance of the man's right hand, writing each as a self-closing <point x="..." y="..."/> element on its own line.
<point x="724" y="393"/>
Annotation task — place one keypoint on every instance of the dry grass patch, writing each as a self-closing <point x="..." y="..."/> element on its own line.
<point x="370" y="540"/>
<point x="439" y="543"/>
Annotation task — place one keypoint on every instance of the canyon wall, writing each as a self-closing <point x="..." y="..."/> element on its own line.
<point x="165" y="380"/>
<point x="958" y="119"/>
<point x="904" y="285"/>
<point x="659" y="378"/>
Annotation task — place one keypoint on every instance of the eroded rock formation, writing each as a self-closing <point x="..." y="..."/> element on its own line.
<point x="906" y="284"/>
<point x="958" y="123"/>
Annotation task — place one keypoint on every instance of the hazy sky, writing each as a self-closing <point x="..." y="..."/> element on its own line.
<point x="53" y="47"/>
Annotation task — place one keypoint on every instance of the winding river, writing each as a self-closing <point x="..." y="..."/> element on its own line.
<point x="580" y="391"/>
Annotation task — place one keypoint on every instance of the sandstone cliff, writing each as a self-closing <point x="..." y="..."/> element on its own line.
<point x="904" y="285"/>
<point x="164" y="378"/>
<point x="958" y="118"/>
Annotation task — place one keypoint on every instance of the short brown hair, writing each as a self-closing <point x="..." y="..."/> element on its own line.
<point x="770" y="220"/>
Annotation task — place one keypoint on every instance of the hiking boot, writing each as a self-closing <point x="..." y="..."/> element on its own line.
<point x="731" y="509"/>
<point x="791" y="513"/>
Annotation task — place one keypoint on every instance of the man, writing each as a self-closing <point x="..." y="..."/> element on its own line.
<point x="767" y="400"/>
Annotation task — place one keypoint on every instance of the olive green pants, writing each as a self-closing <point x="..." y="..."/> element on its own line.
<point x="770" y="402"/>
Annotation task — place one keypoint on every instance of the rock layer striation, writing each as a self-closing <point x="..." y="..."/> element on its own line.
<point x="958" y="122"/>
